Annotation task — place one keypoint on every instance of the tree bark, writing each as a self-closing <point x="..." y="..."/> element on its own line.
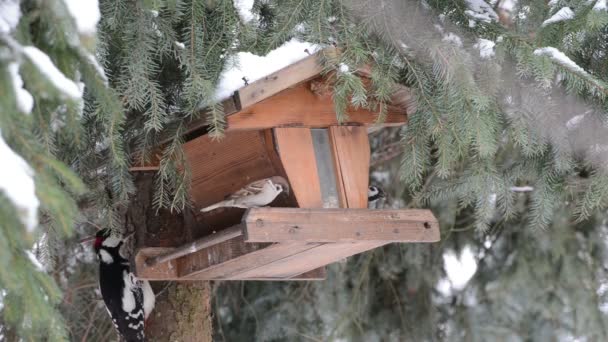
<point x="183" y="310"/>
<point x="182" y="313"/>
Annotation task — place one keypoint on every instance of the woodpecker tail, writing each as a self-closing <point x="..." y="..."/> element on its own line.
<point x="226" y="203"/>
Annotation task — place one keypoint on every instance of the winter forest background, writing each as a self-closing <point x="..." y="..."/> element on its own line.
<point x="508" y="146"/>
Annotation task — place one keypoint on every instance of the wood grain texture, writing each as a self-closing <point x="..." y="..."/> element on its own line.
<point x="295" y="149"/>
<point x="328" y="253"/>
<point x="316" y="274"/>
<point x="340" y="225"/>
<point x="161" y="271"/>
<point x="196" y="245"/>
<point x="352" y="156"/>
<point x="221" y="167"/>
<point x="300" y="107"/>
<point x="227" y="260"/>
<point x="268" y="86"/>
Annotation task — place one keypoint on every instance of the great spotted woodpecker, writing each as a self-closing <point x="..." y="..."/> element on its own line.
<point x="374" y="195"/>
<point x="128" y="300"/>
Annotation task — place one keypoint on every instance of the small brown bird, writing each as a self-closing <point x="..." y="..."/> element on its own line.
<point x="255" y="194"/>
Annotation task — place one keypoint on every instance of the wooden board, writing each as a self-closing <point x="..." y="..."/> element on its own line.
<point x="340" y="225"/>
<point x="300" y="107"/>
<point x="227" y="259"/>
<point x="316" y="274"/>
<point x="278" y="81"/>
<point x="168" y="271"/>
<point x="352" y="156"/>
<point x="295" y="149"/>
<point x="164" y="271"/>
<point x="328" y="253"/>
<point x="219" y="168"/>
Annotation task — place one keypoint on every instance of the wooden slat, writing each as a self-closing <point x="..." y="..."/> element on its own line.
<point x="162" y="271"/>
<point x="300" y="107"/>
<point x="352" y="156"/>
<point x="340" y="225"/>
<point x="295" y="148"/>
<point x="226" y="260"/>
<point x="289" y="76"/>
<point x="316" y="274"/>
<point x="222" y="167"/>
<point x="310" y="259"/>
<point x="196" y="245"/>
<point x="168" y="270"/>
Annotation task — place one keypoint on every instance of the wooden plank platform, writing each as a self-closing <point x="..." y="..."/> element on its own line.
<point x="340" y="225"/>
<point x="292" y="243"/>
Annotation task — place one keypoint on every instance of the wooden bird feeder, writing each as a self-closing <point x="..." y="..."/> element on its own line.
<point x="285" y="125"/>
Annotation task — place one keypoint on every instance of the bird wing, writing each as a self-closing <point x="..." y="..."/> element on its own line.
<point x="252" y="188"/>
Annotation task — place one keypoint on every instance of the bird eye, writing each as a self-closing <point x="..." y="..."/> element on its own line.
<point x="279" y="187"/>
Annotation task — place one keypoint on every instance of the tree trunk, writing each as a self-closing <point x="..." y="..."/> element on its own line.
<point x="182" y="313"/>
<point x="183" y="310"/>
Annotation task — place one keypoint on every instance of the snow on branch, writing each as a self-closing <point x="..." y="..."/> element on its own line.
<point x="563" y="14"/>
<point x="9" y="15"/>
<point x="560" y="58"/>
<point x="54" y="75"/>
<point x="85" y="13"/>
<point x="245" y="65"/>
<point x="244" y="8"/>
<point x="480" y="10"/>
<point x="522" y="188"/>
<point x="25" y="101"/>
<point x="486" y="47"/>
<point x="17" y="183"/>
<point x="601" y="5"/>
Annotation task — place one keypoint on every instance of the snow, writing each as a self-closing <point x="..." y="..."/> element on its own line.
<point x="559" y="57"/>
<point x="35" y="261"/>
<point x="254" y="67"/>
<point x="522" y="188"/>
<point x="344" y="68"/>
<point x="480" y="10"/>
<point x="98" y="67"/>
<point x="553" y="3"/>
<point x="17" y="183"/>
<point x="601" y="5"/>
<point x="508" y="5"/>
<point x="486" y="47"/>
<point x="492" y="200"/>
<point x="55" y="76"/>
<point x="563" y="14"/>
<point x="9" y="15"/>
<point x="459" y="269"/>
<point x="25" y="101"/>
<point x="85" y="13"/>
<point x="452" y="38"/>
<point x="574" y="122"/>
<point x="244" y="8"/>
<point x="180" y="45"/>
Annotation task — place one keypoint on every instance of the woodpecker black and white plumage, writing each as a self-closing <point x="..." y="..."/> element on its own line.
<point x="374" y="196"/>
<point x="255" y="194"/>
<point x="128" y="300"/>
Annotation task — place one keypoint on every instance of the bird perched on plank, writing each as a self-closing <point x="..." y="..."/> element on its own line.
<point x="128" y="300"/>
<point x="256" y="194"/>
<point x="374" y="197"/>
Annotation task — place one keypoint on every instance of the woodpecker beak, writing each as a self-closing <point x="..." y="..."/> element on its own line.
<point x="87" y="239"/>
